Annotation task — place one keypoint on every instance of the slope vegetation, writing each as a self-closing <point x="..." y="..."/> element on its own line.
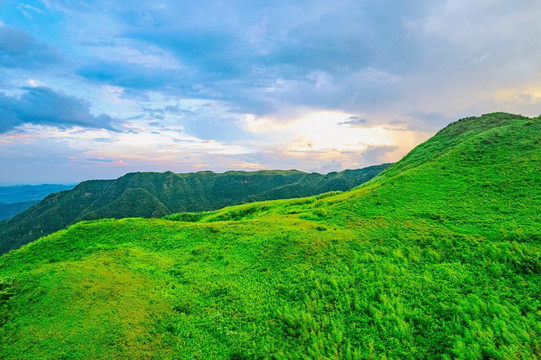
<point x="158" y="194"/>
<point x="438" y="257"/>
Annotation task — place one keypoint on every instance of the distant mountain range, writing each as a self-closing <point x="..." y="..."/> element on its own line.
<point x="10" y="210"/>
<point x="26" y="193"/>
<point x="158" y="194"/>
<point x="16" y="199"/>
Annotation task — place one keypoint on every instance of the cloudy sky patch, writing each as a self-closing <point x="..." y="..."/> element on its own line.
<point x="98" y="88"/>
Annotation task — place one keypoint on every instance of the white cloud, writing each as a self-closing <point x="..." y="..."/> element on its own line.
<point x="327" y="133"/>
<point x="252" y="85"/>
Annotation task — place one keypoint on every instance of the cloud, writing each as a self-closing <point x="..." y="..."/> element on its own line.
<point x="20" y="50"/>
<point x="422" y="121"/>
<point x="261" y="57"/>
<point x="266" y="58"/>
<point x="192" y="72"/>
<point x="162" y="113"/>
<point x="374" y="155"/>
<point x="102" y="160"/>
<point x="44" y="106"/>
<point x="8" y="118"/>
<point x="331" y="166"/>
<point x="128" y="75"/>
<point x="353" y="121"/>
<point x="222" y="128"/>
<point x="470" y="51"/>
<point x="104" y="140"/>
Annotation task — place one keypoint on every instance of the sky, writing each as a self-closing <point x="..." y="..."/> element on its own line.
<point x="96" y="89"/>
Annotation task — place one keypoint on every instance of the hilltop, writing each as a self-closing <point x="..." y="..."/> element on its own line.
<point x="438" y="257"/>
<point x="152" y="195"/>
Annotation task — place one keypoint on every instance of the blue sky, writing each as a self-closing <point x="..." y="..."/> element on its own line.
<point x="96" y="89"/>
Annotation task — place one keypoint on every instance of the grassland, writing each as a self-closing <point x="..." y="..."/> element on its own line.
<point x="438" y="257"/>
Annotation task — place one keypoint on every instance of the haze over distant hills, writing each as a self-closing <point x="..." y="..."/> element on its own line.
<point x="438" y="257"/>
<point x="159" y="194"/>
<point x="16" y="199"/>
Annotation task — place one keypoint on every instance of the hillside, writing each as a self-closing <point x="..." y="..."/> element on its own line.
<point x="438" y="257"/>
<point x="158" y="194"/>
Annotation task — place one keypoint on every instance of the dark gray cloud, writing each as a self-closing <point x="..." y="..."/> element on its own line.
<point x="42" y="105"/>
<point x="20" y="50"/>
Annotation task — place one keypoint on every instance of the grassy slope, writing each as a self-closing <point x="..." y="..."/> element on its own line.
<point x="438" y="257"/>
<point x="158" y="194"/>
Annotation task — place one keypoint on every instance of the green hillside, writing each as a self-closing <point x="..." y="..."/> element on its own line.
<point x="151" y="195"/>
<point x="438" y="257"/>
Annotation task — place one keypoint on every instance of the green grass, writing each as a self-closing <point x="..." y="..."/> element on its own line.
<point x="436" y="258"/>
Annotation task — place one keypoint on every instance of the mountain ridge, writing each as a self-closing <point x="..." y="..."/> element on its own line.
<point x="152" y="194"/>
